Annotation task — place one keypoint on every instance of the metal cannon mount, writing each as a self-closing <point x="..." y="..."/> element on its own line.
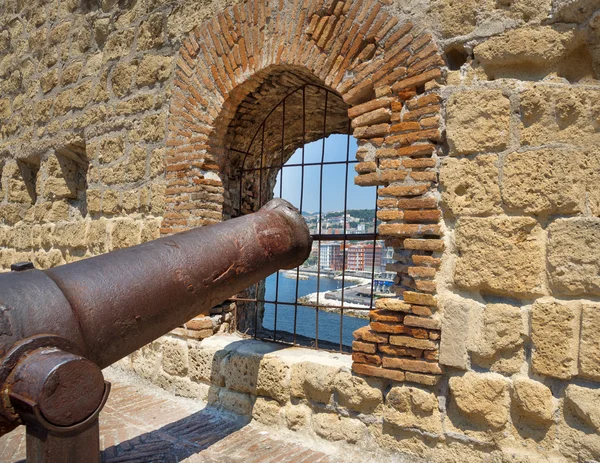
<point x="60" y="327"/>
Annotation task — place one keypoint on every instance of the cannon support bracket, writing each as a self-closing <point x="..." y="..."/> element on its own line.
<point x="59" y="396"/>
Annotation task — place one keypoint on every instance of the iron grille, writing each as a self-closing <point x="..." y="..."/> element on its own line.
<point x="257" y="165"/>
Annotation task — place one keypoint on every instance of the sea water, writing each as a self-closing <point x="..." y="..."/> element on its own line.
<point x="306" y="317"/>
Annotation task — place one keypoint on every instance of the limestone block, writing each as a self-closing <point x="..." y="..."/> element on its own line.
<point x="70" y="234"/>
<point x="356" y="393"/>
<point x="111" y="202"/>
<point x="481" y="398"/>
<point x="151" y="32"/>
<point x="122" y="77"/>
<point x="236" y="402"/>
<point x="267" y="411"/>
<point x="313" y="381"/>
<point x="527" y="49"/>
<point x="107" y="150"/>
<point x="546" y="181"/>
<point x="240" y="371"/>
<point x="499" y="346"/>
<point x="470" y="187"/>
<point x="63" y="178"/>
<point x="150" y="230"/>
<point x="553" y="114"/>
<point x="5" y="111"/>
<point x="97" y="236"/>
<point x="154" y="68"/>
<point x="334" y="427"/>
<point x="555" y="337"/>
<point x="180" y="386"/>
<point x="456" y="327"/>
<point x="45" y="260"/>
<point x="297" y="416"/>
<point x="533" y="399"/>
<point x="205" y="364"/>
<point x="174" y="357"/>
<point x="583" y="402"/>
<point x="273" y="379"/>
<point x="455" y="18"/>
<point x="49" y="80"/>
<point x="124" y="233"/>
<point x="574" y="256"/>
<point x="500" y="255"/>
<point x="70" y="73"/>
<point x="81" y="96"/>
<point x="146" y="361"/>
<point x="118" y="44"/>
<point x="477" y="121"/>
<point x="18" y="190"/>
<point x="589" y="347"/>
<point x="150" y="129"/>
<point x="411" y="407"/>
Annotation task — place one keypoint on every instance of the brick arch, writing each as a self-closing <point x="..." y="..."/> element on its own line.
<point x="386" y="73"/>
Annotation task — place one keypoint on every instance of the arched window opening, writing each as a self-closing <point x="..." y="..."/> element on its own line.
<point x="304" y="152"/>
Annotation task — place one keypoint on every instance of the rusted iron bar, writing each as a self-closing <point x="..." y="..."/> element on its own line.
<point x="60" y="327"/>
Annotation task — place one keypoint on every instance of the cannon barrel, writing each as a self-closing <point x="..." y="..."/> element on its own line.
<point x="65" y="324"/>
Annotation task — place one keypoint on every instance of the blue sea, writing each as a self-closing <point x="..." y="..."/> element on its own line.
<point x="306" y="322"/>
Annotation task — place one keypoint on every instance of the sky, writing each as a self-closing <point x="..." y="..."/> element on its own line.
<point x="289" y="179"/>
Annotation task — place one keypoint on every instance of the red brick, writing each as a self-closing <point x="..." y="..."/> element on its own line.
<point x="386" y="316"/>
<point x="390" y="328"/>
<point x="424" y="245"/>
<point x="359" y="357"/>
<point x="369" y="370"/>
<point x="365" y="334"/>
<point x="419" y="366"/>
<point x="366" y="347"/>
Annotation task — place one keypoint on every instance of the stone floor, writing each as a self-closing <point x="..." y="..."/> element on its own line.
<point x="142" y="423"/>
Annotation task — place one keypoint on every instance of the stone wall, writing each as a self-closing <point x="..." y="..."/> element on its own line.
<point x="477" y="120"/>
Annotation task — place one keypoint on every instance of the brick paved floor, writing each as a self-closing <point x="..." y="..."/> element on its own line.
<point x="142" y="423"/>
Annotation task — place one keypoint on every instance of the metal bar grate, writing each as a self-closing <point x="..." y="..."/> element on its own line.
<point x="260" y="165"/>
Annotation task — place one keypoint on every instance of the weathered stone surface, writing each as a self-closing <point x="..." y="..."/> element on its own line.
<point x="546" y="181"/>
<point x="297" y="416"/>
<point x="583" y="402"/>
<point x="499" y="255"/>
<point x="411" y="407"/>
<point x="154" y="68"/>
<point x="574" y="256"/>
<point x="470" y="187"/>
<point x="560" y="114"/>
<point x="333" y="427"/>
<point x="356" y="393"/>
<point x="236" y="402"/>
<point x="273" y="379"/>
<point x="174" y="357"/>
<point x="124" y="233"/>
<point x="555" y="337"/>
<point x="525" y="52"/>
<point x="313" y="381"/>
<point x="205" y="364"/>
<point x="455" y="18"/>
<point x="533" y="399"/>
<point x="266" y="411"/>
<point x="481" y="398"/>
<point x="589" y="347"/>
<point x="499" y="345"/>
<point x="477" y="121"/>
<point x="456" y="327"/>
<point x="240" y="370"/>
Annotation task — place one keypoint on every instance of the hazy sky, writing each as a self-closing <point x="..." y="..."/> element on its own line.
<point x="334" y="178"/>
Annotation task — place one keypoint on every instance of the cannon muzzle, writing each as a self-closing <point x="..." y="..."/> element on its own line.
<point x="60" y="327"/>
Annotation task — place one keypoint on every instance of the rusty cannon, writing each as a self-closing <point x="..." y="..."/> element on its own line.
<point x="60" y="327"/>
